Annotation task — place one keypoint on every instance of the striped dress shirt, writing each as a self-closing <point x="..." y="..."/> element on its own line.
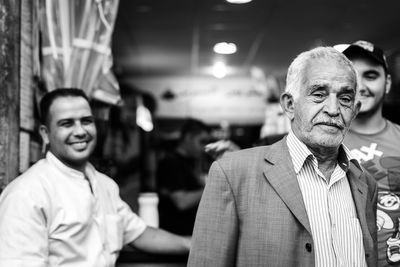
<point x="330" y="207"/>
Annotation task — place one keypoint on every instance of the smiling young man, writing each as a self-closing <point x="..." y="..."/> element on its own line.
<point x="62" y="211"/>
<point x="70" y="132"/>
<point x="302" y="201"/>
<point x="375" y="142"/>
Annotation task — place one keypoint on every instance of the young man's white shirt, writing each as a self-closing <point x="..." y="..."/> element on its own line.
<point x="52" y="216"/>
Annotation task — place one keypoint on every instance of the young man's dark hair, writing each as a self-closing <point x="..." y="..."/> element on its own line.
<point x="49" y="98"/>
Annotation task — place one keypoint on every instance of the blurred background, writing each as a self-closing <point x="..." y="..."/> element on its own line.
<point x="167" y="52"/>
<point x="166" y="49"/>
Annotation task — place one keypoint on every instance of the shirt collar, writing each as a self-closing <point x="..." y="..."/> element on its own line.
<point x="68" y="170"/>
<point x="349" y="157"/>
<point x="299" y="153"/>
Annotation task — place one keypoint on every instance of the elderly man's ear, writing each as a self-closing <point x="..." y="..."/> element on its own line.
<point x="287" y="104"/>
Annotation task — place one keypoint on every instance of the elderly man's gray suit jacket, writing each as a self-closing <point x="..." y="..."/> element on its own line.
<point x="252" y="212"/>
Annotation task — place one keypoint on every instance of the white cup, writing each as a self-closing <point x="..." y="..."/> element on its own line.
<point x="148" y="211"/>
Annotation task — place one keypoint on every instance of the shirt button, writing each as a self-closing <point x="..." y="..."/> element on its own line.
<point x="308" y="247"/>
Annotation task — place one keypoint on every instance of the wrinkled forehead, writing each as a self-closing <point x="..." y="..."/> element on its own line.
<point x="328" y="71"/>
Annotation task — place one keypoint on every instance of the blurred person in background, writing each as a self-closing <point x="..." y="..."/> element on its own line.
<point x="224" y="142"/>
<point x="375" y="142"/>
<point x="180" y="180"/>
<point x="127" y="152"/>
<point x="121" y="149"/>
<point x="303" y="201"/>
<point x="62" y="211"/>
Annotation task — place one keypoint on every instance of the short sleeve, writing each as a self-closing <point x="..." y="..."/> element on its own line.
<point x="133" y="225"/>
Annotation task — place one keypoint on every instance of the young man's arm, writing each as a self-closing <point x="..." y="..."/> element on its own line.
<point x="147" y="238"/>
<point x="154" y="240"/>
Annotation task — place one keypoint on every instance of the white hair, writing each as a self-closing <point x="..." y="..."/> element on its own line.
<point x="295" y="74"/>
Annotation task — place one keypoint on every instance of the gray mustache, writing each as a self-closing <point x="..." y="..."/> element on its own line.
<point x="331" y="122"/>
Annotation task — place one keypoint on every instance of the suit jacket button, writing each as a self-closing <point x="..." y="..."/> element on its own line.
<point x="308" y="247"/>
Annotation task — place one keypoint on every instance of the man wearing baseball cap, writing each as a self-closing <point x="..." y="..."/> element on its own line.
<point x="375" y="142"/>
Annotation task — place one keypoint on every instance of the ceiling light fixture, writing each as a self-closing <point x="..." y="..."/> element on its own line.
<point x="219" y="70"/>
<point x="238" y="1"/>
<point x="225" y="48"/>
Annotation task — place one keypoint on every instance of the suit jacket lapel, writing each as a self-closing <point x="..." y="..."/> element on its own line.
<point x="359" y="191"/>
<point x="281" y="175"/>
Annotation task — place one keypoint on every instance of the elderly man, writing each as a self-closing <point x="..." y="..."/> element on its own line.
<point x="302" y="201"/>
<point x="62" y="211"/>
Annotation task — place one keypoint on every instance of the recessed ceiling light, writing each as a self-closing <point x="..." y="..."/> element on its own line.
<point x="238" y="1"/>
<point x="219" y="70"/>
<point x="225" y="48"/>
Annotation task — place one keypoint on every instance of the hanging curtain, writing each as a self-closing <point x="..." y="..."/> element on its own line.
<point x="75" y="46"/>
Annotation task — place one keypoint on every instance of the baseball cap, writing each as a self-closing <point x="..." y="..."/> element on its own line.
<point x="365" y="48"/>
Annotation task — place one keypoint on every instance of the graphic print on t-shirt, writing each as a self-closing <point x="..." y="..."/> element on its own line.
<point x="386" y="171"/>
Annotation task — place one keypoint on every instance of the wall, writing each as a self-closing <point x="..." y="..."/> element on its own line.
<point x="236" y="100"/>
<point x="9" y="85"/>
<point x="17" y="29"/>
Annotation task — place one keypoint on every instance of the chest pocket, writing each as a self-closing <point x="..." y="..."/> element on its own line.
<point x="114" y="232"/>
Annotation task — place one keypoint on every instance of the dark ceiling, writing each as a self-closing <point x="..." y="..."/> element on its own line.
<point x="176" y="37"/>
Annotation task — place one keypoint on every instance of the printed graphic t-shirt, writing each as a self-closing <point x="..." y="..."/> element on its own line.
<point x="379" y="154"/>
